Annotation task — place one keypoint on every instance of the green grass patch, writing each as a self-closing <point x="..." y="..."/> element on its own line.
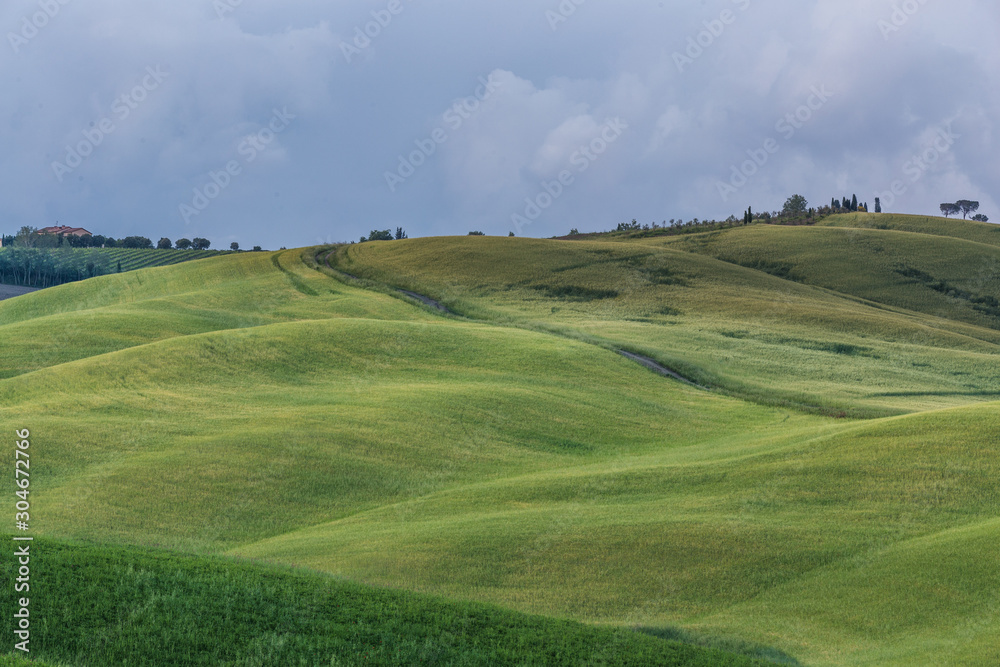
<point x="99" y="605"/>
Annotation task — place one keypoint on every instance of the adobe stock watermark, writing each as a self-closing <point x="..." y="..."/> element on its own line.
<point x="33" y="24"/>
<point x="902" y="12"/>
<point x="453" y="119"/>
<point x="714" y="29"/>
<point x="562" y="13"/>
<point x="918" y="165"/>
<point x="363" y="35"/>
<point x="249" y="149"/>
<point x="121" y="109"/>
<point x="787" y="126"/>
<point x="579" y="162"/>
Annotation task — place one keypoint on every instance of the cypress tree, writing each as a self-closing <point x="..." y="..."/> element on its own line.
<point x="854" y="203"/>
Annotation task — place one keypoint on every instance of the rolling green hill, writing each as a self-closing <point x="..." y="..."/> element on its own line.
<point x="754" y="335"/>
<point x="172" y="610"/>
<point x="830" y="490"/>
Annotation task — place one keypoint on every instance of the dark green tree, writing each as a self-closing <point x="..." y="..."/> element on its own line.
<point x="183" y="244"/>
<point x="948" y="210"/>
<point x="27" y="237"/>
<point x="967" y="206"/>
<point x="164" y="244"/>
<point x="199" y="243"/>
<point x="854" y="203"/>
<point x="140" y="242"/>
<point x="795" y="205"/>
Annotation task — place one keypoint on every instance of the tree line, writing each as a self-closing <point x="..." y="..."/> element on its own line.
<point x="30" y="237"/>
<point x="47" y="267"/>
<point x="965" y="207"/>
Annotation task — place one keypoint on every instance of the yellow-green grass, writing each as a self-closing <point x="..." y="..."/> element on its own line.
<point x="184" y="442"/>
<point x="115" y="312"/>
<point x="874" y="544"/>
<point x="741" y="330"/>
<point x="970" y="230"/>
<point x="100" y="605"/>
<point x="308" y="421"/>
<point x="945" y="277"/>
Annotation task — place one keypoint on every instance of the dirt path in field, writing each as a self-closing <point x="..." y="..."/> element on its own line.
<point x="659" y="368"/>
<point x="426" y="300"/>
<point x="651" y="364"/>
<point x="10" y="291"/>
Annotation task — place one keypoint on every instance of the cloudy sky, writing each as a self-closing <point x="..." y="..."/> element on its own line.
<point x="292" y="124"/>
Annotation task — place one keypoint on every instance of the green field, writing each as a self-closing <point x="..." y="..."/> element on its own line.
<point x="828" y="497"/>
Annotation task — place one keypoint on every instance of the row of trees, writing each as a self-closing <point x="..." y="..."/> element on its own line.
<point x="45" y="267"/>
<point x="30" y="237"/>
<point x="384" y="235"/>
<point x="852" y="206"/>
<point x="965" y="207"/>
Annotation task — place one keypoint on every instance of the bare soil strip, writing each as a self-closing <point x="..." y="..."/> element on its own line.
<point x="659" y="368"/>
<point x="426" y="300"/>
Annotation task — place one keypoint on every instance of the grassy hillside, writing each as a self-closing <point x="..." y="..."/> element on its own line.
<point x="794" y="530"/>
<point x="264" y="406"/>
<point x="133" y="607"/>
<point x="942" y="276"/>
<point x="969" y="230"/>
<point x="751" y="334"/>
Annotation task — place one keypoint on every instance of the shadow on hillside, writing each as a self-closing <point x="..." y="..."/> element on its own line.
<point x="727" y="644"/>
<point x="10" y="291"/>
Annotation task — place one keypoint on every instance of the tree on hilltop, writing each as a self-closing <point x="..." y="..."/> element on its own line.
<point x="164" y="244"/>
<point x="979" y="217"/>
<point x="795" y="205"/>
<point x="199" y="243"/>
<point x="140" y="242"/>
<point x="183" y="244"/>
<point x="948" y="210"/>
<point x="967" y="206"/>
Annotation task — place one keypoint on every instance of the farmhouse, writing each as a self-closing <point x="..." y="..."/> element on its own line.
<point x="65" y="231"/>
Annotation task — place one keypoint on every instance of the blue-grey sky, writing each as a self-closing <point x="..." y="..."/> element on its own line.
<point x="291" y="124"/>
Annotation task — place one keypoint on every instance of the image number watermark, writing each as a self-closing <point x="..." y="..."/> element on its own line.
<point x="22" y="551"/>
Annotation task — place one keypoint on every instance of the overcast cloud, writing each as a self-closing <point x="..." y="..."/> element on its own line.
<point x="283" y="124"/>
